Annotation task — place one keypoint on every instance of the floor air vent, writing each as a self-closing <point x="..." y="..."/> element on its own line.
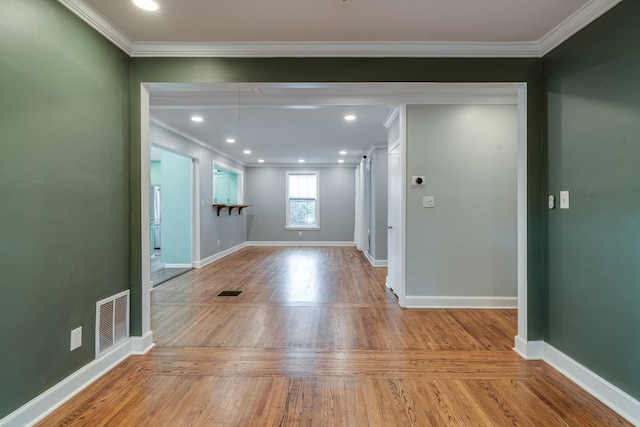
<point x="112" y="322"/>
<point x="229" y="293"/>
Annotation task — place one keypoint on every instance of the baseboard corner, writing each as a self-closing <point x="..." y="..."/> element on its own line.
<point x="529" y="350"/>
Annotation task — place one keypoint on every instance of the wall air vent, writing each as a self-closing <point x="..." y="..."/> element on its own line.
<point x="112" y="322"/>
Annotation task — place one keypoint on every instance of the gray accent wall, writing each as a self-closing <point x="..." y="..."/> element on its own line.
<point x="230" y="230"/>
<point x="466" y="245"/>
<point x="266" y="192"/>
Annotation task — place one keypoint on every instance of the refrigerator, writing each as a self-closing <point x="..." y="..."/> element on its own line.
<point x="155" y="211"/>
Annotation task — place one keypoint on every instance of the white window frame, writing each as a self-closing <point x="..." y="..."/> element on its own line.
<point x="288" y="226"/>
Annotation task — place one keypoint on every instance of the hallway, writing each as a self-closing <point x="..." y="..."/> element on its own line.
<point x="315" y="338"/>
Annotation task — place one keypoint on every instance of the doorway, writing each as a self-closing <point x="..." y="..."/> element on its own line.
<point x="170" y="214"/>
<point x="388" y="94"/>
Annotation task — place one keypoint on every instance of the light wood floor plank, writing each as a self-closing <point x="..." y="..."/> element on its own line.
<point x="316" y="339"/>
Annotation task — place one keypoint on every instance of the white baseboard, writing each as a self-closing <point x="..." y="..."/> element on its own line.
<point x="619" y="401"/>
<point x="44" y="404"/>
<point x="461" y="302"/>
<point x="178" y="266"/>
<point x="616" y="399"/>
<point x="375" y="262"/>
<point x="298" y="243"/>
<point x="219" y="255"/>
<point x="141" y="345"/>
<point x="529" y="350"/>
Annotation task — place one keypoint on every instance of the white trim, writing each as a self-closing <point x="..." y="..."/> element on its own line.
<point x="195" y="214"/>
<point x="141" y="345"/>
<point x="48" y="401"/>
<point x="607" y="393"/>
<point x="576" y="22"/>
<point x="616" y="399"/>
<point x="529" y="350"/>
<point x="522" y="219"/>
<point x="401" y="286"/>
<point x="178" y="265"/>
<point x="407" y="49"/>
<point x="239" y="173"/>
<point x="316" y="225"/>
<point x="283" y="243"/>
<point x="388" y="121"/>
<point x="145" y="216"/>
<point x="96" y="21"/>
<point x="410" y="49"/>
<point x="375" y="262"/>
<point x="219" y="255"/>
<point x="460" y="302"/>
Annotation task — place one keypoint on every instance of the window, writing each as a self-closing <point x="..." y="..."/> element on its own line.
<point x="302" y="200"/>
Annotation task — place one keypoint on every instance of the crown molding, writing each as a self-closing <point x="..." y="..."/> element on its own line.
<point x="577" y="21"/>
<point x="95" y="20"/>
<point x="337" y="49"/>
<point x="574" y="23"/>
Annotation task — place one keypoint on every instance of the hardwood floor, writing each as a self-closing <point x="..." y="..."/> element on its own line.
<point x="316" y="339"/>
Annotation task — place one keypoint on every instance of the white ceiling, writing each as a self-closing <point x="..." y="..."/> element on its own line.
<point x="340" y="27"/>
<point x="281" y="123"/>
<point x="284" y="122"/>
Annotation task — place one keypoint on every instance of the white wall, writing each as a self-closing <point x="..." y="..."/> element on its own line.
<point x="266" y="192"/>
<point x="466" y="245"/>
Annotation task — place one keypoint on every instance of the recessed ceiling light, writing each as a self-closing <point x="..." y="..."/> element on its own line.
<point x="301" y="161"/>
<point x="343" y="153"/>
<point x="260" y="160"/>
<point x="340" y="161"/>
<point x="247" y="151"/>
<point x="231" y="140"/>
<point x="197" y="119"/>
<point x="149" y="5"/>
<point x="349" y="117"/>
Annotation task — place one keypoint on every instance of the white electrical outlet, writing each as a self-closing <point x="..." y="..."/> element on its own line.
<point x="76" y="338"/>
<point x="428" y="202"/>
<point x="299" y="233"/>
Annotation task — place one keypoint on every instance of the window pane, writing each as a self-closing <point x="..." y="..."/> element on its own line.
<point x="302" y="187"/>
<point x="303" y="212"/>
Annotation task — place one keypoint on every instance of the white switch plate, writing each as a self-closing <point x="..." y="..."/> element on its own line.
<point x="428" y="202"/>
<point x="76" y="338"/>
<point x="564" y="200"/>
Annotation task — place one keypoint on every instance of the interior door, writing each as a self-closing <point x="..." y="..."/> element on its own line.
<point x="394" y="212"/>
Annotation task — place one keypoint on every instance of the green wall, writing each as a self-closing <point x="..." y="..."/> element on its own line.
<point x="64" y="191"/>
<point x="593" y="134"/>
<point x="354" y="70"/>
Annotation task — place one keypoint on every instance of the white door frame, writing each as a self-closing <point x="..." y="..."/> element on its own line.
<point x="521" y="343"/>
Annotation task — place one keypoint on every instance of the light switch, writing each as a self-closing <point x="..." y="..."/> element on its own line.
<point x="564" y="200"/>
<point x="428" y="202"/>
